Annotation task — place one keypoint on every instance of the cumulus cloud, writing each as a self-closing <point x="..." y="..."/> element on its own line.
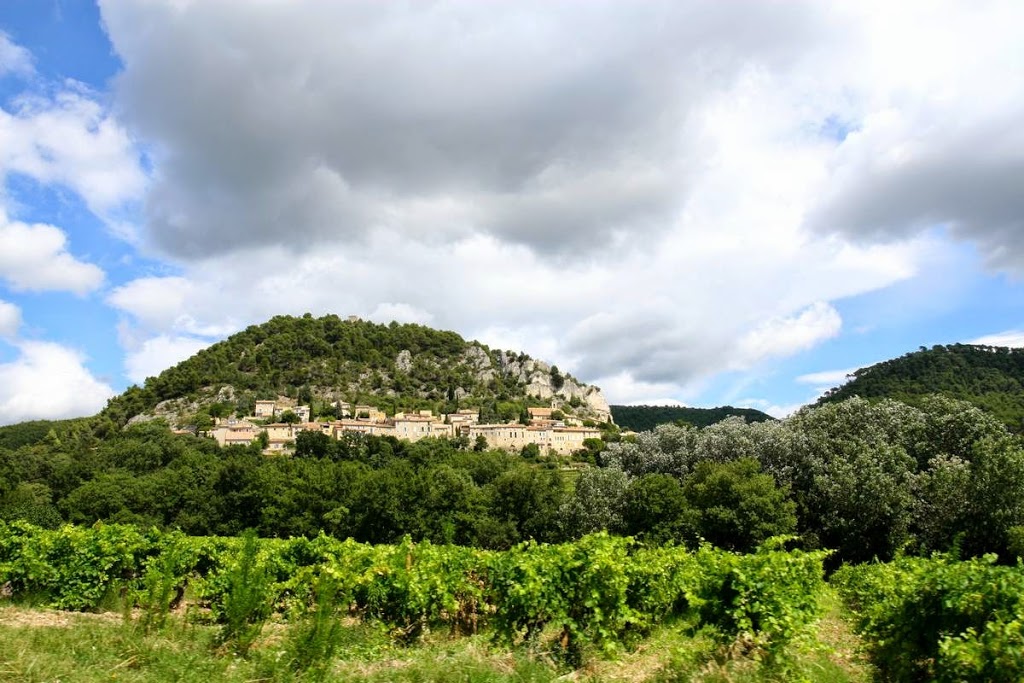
<point x="58" y="135"/>
<point x="10" y="320"/>
<point x="644" y="195"/>
<point x="70" y="139"/>
<point x="937" y="140"/>
<point x="640" y="318"/>
<point x="35" y="257"/>
<point x="156" y="354"/>
<point x="546" y="124"/>
<point x="48" y="381"/>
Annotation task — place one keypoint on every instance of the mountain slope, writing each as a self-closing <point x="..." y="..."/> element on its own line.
<point x="644" y="418"/>
<point x="394" y="366"/>
<point x="990" y="377"/>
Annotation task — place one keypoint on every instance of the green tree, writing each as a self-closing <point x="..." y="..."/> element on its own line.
<point x="595" y="504"/>
<point x="529" y="499"/>
<point x="313" y="444"/>
<point x="656" y="510"/>
<point x="557" y="378"/>
<point x="738" y="506"/>
<point x="531" y="452"/>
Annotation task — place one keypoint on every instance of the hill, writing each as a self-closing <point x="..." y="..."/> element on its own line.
<point x="319" y="361"/>
<point x="990" y="377"/>
<point x="644" y="418"/>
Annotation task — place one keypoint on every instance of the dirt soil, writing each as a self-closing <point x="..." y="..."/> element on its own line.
<point x="20" y="616"/>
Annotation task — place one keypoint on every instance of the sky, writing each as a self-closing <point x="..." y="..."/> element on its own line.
<point x="702" y="203"/>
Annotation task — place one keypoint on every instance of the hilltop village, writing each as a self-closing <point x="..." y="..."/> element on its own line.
<point x="547" y="428"/>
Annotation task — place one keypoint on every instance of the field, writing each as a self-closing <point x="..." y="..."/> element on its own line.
<point x="47" y="645"/>
<point x="119" y="603"/>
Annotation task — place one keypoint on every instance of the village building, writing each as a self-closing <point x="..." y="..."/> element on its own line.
<point x="420" y="426"/>
<point x="514" y="437"/>
<point x="240" y="434"/>
<point x="461" y="420"/>
<point x="539" y="413"/>
<point x="369" y="413"/>
<point x="549" y="435"/>
<point x="264" y="409"/>
<point x="362" y="427"/>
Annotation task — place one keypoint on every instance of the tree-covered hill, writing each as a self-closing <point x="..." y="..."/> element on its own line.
<point x="395" y="366"/>
<point x="644" y="418"/>
<point x="990" y="377"/>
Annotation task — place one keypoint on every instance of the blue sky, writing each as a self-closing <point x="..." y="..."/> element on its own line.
<point x="707" y="203"/>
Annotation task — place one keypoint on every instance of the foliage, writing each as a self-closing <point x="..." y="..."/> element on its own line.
<point x="863" y="478"/>
<point x="736" y="506"/>
<point x="316" y="636"/>
<point x="327" y="358"/>
<point x="867" y="478"/>
<point x="599" y="592"/>
<point x="646" y="418"/>
<point x="595" y="504"/>
<point x="940" y="619"/>
<point x="657" y="511"/>
<point x="71" y="567"/>
<point x="247" y="599"/>
<point x="764" y="599"/>
<point x="990" y="377"/>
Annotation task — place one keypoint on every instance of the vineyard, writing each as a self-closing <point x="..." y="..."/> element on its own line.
<point x="599" y="597"/>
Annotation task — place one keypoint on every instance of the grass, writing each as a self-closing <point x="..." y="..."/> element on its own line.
<point x="44" y="645"/>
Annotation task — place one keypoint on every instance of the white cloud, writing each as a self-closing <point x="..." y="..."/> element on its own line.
<point x="48" y="381"/>
<point x="935" y="138"/>
<point x="658" y="330"/>
<point x="156" y="302"/>
<point x="14" y="59"/>
<point x="623" y="389"/>
<point x="635" y="194"/>
<point x="10" y="320"/>
<point x="400" y="312"/>
<point x="58" y="135"/>
<point x="1013" y="338"/>
<point x="788" y="335"/>
<point x="828" y="378"/>
<point x="71" y="140"/>
<point x="35" y="257"/>
<point x="155" y="355"/>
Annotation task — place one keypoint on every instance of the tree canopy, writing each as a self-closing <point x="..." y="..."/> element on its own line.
<point x="306" y="357"/>
<point x="990" y="377"/>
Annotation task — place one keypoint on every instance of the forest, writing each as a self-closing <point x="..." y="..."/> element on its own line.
<point x="864" y="479"/>
<point x="990" y="377"/>
<point x="644" y="418"/>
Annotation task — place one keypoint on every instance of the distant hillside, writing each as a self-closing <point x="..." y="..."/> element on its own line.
<point x="990" y="377"/>
<point x="321" y="360"/>
<point x="644" y="418"/>
<point x="27" y="433"/>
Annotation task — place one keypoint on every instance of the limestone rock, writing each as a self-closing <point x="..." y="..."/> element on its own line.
<point x="403" y="361"/>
